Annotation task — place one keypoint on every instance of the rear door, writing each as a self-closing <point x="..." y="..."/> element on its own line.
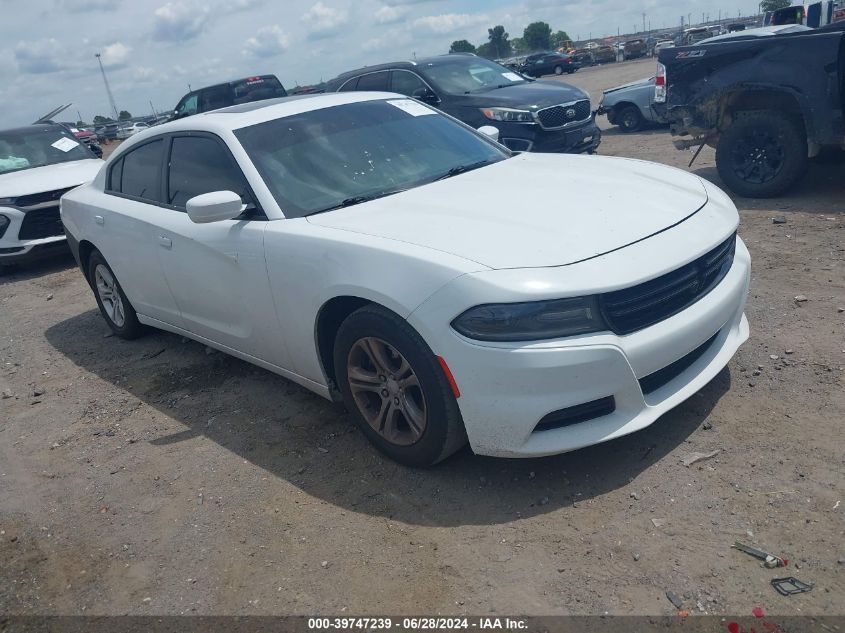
<point x="128" y="230"/>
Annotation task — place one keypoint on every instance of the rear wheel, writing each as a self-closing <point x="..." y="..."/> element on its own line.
<point x="119" y="314"/>
<point x="762" y="154"/>
<point x="629" y="119"/>
<point x="558" y="70"/>
<point x="395" y="388"/>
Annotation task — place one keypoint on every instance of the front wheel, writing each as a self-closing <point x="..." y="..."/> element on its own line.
<point x="119" y="314"/>
<point x="396" y="389"/>
<point x="762" y="154"/>
<point x="558" y="70"/>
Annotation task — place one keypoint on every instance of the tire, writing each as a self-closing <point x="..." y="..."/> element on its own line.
<point x="570" y="70"/>
<point x="115" y="308"/>
<point x="629" y="119"/>
<point x="558" y="70"/>
<point x="762" y="154"/>
<point x="421" y="389"/>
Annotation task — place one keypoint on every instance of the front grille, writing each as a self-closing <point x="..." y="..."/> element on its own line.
<point x="564" y="114"/>
<point x="578" y="413"/>
<point x="633" y="309"/>
<point x="656" y="380"/>
<point x="40" y="223"/>
<point x="41" y="198"/>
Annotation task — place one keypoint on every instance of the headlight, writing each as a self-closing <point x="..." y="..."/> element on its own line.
<point x="508" y="115"/>
<point x="4" y="224"/>
<point x="531" y="321"/>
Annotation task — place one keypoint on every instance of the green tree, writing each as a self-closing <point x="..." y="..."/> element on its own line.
<point x="124" y="116"/>
<point x="518" y="46"/>
<point x="559" y="39"/>
<point x="461" y="46"/>
<point x="100" y="119"/>
<point x="499" y="43"/>
<point x="485" y="50"/>
<point x="774" y="5"/>
<point x="538" y="36"/>
<point x="80" y="124"/>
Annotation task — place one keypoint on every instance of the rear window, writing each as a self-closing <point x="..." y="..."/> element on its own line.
<point x="257" y="88"/>
<point x="138" y="172"/>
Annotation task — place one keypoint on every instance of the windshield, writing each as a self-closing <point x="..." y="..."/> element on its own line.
<point x="38" y="146"/>
<point x="319" y="160"/>
<point x="463" y="76"/>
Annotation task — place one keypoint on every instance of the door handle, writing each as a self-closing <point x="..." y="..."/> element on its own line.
<point x="99" y="219"/>
<point x="164" y="241"/>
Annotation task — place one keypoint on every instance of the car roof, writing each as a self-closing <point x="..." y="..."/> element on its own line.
<point x="32" y="128"/>
<point x="226" y="120"/>
<point x="407" y="65"/>
<point x="763" y="31"/>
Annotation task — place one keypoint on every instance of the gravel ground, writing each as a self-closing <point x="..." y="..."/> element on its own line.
<point x="151" y="477"/>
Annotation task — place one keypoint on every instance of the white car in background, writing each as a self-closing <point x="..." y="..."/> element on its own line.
<point x="38" y="163"/>
<point x="130" y="130"/>
<point x="369" y="247"/>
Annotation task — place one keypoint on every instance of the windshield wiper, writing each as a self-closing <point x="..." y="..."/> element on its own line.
<point x="462" y="169"/>
<point x="348" y="202"/>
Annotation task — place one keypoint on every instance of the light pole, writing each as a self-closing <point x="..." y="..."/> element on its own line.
<point x="108" y="90"/>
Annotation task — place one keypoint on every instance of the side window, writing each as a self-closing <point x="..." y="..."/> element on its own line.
<point x="116" y="176"/>
<point x="187" y="106"/>
<point x="350" y="85"/>
<point x="406" y="83"/>
<point x="139" y="172"/>
<point x="214" y="98"/>
<point x="199" y="165"/>
<point x="373" y="81"/>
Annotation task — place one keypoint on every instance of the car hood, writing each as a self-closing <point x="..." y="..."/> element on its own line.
<point x="648" y="81"/>
<point x="533" y="210"/>
<point x="48" y="178"/>
<point x="531" y="96"/>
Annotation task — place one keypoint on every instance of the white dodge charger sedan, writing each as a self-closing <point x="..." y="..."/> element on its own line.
<point x="373" y="249"/>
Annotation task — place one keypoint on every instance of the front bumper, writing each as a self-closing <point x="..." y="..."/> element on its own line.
<point x="15" y="250"/>
<point x="507" y="389"/>
<point x="533" y="138"/>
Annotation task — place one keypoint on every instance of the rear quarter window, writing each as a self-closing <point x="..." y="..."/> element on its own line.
<point x="137" y="173"/>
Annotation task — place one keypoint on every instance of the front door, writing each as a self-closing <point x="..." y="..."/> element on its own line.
<point x="217" y="271"/>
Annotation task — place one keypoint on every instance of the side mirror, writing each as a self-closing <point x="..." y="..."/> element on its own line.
<point x="214" y="207"/>
<point x="489" y="130"/>
<point x="426" y="96"/>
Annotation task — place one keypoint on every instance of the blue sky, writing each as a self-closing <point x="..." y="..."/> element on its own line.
<point x="153" y="49"/>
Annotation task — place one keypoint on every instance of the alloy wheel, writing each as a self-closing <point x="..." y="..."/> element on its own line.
<point x="758" y="157"/>
<point x="109" y="295"/>
<point x="386" y="391"/>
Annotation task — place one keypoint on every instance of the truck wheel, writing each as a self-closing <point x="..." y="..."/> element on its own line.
<point x="629" y="119"/>
<point x="761" y="155"/>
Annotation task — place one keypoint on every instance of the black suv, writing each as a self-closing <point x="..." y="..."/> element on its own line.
<point x="228" y="94"/>
<point x="531" y="115"/>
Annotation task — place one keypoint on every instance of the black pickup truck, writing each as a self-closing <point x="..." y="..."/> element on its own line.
<point x="767" y="104"/>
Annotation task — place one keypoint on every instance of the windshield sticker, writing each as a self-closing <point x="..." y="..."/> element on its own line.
<point x="65" y="144"/>
<point x="411" y="107"/>
<point x="511" y="76"/>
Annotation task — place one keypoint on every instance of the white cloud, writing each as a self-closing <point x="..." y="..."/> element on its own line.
<point x="449" y="22"/>
<point x="40" y="56"/>
<point x="83" y="6"/>
<point x="115" y="54"/>
<point x="180" y="20"/>
<point x="143" y="73"/>
<point x="389" y="15"/>
<point x="267" y="42"/>
<point x="322" y="20"/>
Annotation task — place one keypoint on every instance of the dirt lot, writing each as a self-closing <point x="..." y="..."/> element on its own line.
<point x="152" y="477"/>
